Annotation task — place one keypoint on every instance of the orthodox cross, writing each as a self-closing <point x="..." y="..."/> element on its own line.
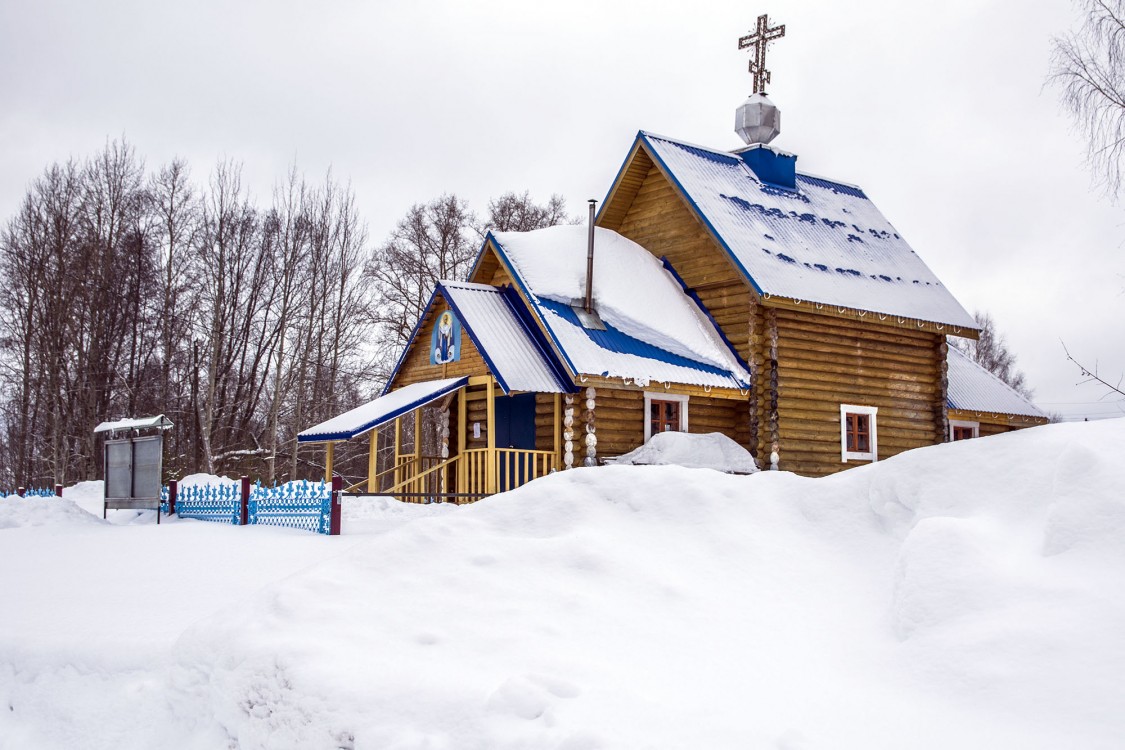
<point x="761" y="37"/>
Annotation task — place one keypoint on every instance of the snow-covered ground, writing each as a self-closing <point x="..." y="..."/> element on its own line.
<point x="969" y="595"/>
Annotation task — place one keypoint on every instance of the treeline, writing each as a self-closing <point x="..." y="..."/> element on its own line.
<point x="127" y="292"/>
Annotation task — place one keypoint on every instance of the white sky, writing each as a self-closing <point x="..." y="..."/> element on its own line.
<point x="941" y="115"/>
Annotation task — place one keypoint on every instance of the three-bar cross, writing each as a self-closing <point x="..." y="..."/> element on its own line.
<point x="761" y="37"/>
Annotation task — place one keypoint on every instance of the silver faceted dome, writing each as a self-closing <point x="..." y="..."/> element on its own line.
<point x="757" y="120"/>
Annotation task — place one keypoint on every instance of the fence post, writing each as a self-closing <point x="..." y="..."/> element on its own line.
<point x="58" y="490"/>
<point x="20" y="491"/>
<point x="172" y="484"/>
<point x="335" y="509"/>
<point x="244" y="517"/>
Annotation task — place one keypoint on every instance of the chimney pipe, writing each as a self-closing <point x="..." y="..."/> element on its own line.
<point x="590" y="263"/>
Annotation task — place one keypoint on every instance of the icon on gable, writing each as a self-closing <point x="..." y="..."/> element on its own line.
<point x="445" y="344"/>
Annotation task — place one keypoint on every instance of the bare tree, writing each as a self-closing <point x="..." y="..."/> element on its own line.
<point x="519" y="213"/>
<point x="434" y="241"/>
<point x="1089" y="68"/>
<point x="991" y="352"/>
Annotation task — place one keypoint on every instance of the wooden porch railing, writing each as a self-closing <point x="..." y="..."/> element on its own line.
<point x="472" y="474"/>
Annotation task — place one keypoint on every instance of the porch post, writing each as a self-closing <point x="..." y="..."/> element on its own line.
<point x="373" y="461"/>
<point x="491" y="468"/>
<point x="398" y="448"/>
<point x="462" y="441"/>
<point x="557" y="422"/>
<point x="329" y="448"/>
<point x="418" y="442"/>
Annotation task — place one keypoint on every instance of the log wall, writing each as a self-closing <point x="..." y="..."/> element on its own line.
<point x="416" y="366"/>
<point x="620" y="419"/>
<point x="824" y="362"/>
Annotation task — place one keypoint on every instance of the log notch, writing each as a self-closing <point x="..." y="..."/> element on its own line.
<point x="591" y="438"/>
<point x="568" y="431"/>
<point x="773" y="392"/>
<point x="941" y="403"/>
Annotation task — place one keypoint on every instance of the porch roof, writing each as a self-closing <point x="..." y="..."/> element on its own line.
<point x="380" y="411"/>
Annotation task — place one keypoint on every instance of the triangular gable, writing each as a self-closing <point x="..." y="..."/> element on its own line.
<point x="516" y="355"/>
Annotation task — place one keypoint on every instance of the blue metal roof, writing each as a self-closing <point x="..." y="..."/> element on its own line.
<point x="613" y="340"/>
<point x="823" y="242"/>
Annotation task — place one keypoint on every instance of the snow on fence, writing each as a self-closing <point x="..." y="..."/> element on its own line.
<point x="300" y="505"/>
<point x="34" y="492"/>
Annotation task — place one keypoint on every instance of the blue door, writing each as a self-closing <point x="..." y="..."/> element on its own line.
<point x="515" y="428"/>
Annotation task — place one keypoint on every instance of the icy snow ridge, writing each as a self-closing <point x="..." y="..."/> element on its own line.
<point x="967" y="595"/>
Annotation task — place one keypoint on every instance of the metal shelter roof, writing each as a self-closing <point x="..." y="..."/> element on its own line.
<point x="380" y="411"/>
<point x="973" y="388"/>
<point x="823" y="241"/>
<point x="137" y="423"/>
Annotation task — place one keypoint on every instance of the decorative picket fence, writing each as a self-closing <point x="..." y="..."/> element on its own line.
<point x="301" y="504"/>
<point x="32" y="492"/>
<point x="298" y="505"/>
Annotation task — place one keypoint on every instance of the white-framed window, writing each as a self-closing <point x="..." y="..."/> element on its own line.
<point x="665" y="412"/>
<point x="859" y="439"/>
<point x="962" y="430"/>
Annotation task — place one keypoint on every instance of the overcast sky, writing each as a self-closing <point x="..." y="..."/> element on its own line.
<point x="938" y="111"/>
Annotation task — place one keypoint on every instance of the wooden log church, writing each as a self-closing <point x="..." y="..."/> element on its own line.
<point x="714" y="291"/>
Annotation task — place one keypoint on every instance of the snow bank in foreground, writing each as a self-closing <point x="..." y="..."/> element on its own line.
<point x="969" y="595"/>
<point x="41" y="511"/>
<point x="710" y="451"/>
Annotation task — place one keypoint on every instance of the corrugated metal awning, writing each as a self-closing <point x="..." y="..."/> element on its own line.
<point x="973" y="388"/>
<point x="508" y="343"/>
<point x="380" y="411"/>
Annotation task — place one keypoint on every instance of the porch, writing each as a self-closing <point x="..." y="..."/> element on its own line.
<point x="454" y="440"/>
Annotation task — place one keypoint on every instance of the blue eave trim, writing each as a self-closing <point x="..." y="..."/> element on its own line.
<point x="476" y="340"/>
<point x="523" y="315"/>
<point x="332" y="436"/>
<point x="652" y="153"/>
<point x="703" y="308"/>
<point x="614" y="340"/>
<point x="409" y="343"/>
<point x="534" y="303"/>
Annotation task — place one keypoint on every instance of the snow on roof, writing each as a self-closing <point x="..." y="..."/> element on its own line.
<point x="823" y="242"/>
<point x="380" y="411"/>
<point x="138" y="423"/>
<point x="973" y="388"/>
<point x="514" y="353"/>
<point x="654" y="331"/>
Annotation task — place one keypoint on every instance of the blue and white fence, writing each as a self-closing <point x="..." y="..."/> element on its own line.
<point x="300" y="505"/>
<point x="33" y="492"/>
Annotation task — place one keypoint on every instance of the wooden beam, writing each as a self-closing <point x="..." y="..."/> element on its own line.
<point x="557" y="421"/>
<point x="462" y="439"/>
<point x="398" y="449"/>
<point x="491" y="470"/>
<point x="329" y="449"/>
<point x="373" y="462"/>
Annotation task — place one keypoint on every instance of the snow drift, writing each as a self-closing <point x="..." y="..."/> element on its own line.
<point x="967" y="595"/>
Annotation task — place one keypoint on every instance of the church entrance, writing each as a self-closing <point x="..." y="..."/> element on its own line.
<point x="515" y="429"/>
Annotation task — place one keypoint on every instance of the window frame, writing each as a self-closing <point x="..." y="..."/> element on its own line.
<point x="964" y="424"/>
<point x="871" y="412"/>
<point x="651" y="396"/>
